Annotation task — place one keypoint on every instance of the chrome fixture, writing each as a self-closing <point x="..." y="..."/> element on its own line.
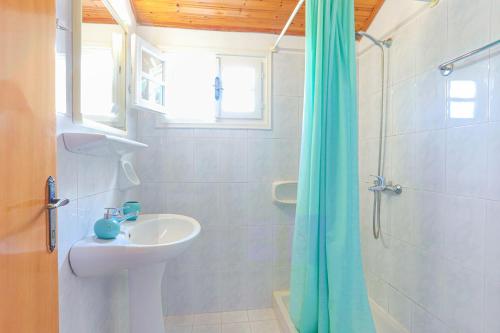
<point x="448" y="67"/>
<point x="380" y="43"/>
<point x="379" y="185"/>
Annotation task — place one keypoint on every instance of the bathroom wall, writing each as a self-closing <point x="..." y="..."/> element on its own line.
<point x="436" y="269"/>
<point x="97" y="305"/>
<point x="223" y="179"/>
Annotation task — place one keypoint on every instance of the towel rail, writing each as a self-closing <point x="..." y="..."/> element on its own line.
<point x="448" y="67"/>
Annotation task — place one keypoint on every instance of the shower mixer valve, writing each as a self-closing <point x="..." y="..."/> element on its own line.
<point x="379" y="185"/>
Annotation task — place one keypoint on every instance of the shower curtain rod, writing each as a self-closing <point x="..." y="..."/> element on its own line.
<point x="289" y="22"/>
<point x="287" y="25"/>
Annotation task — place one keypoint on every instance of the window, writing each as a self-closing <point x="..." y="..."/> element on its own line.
<point x="149" y="75"/>
<point x="200" y="88"/>
<point x="240" y="85"/>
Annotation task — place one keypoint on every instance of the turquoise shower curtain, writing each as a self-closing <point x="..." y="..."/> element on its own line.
<point x="328" y="293"/>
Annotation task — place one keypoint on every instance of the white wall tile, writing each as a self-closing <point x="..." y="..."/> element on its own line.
<point x="466" y="160"/>
<point x="282" y="243"/>
<point x="233" y="204"/>
<point x="153" y="198"/>
<point x="430" y="160"/>
<point x="491" y="243"/>
<point x="430" y="101"/>
<point x="234" y="249"/>
<point x="429" y="226"/>
<point x="403" y="106"/>
<point x="272" y="159"/>
<point x="403" y="159"/>
<point x="259" y="288"/>
<point x="285" y="119"/>
<point x="495" y="85"/>
<point x="424" y="322"/>
<point x="464" y="299"/>
<point x="492" y="304"/>
<point x="377" y="290"/>
<point x="464" y="235"/>
<point x="206" y="160"/>
<point x="493" y="161"/>
<point x="402" y="211"/>
<point x="403" y="53"/>
<point x="234" y="290"/>
<point x="431" y="36"/>
<point x="178" y="159"/>
<point x="400" y="307"/>
<point x="369" y="116"/>
<point x="429" y="283"/>
<point x="370" y="73"/>
<point x="495" y="24"/>
<point x="67" y="171"/>
<point x="467" y="29"/>
<point x="288" y="69"/>
<point x="233" y="160"/>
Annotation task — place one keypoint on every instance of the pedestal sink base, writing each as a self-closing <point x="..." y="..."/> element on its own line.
<point x="143" y="247"/>
<point x="144" y="285"/>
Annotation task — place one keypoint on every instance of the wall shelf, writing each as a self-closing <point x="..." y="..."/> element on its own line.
<point x="100" y="144"/>
<point x="285" y="192"/>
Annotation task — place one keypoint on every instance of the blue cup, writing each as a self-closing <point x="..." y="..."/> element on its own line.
<point x="132" y="208"/>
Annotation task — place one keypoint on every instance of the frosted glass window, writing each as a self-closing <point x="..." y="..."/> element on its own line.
<point x="242" y="84"/>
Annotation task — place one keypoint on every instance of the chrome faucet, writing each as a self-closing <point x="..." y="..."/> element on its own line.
<point x="379" y="185"/>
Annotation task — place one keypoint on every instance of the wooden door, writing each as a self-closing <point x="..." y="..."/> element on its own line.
<point x="28" y="272"/>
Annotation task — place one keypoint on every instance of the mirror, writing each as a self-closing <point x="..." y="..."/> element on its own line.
<point x="99" y="62"/>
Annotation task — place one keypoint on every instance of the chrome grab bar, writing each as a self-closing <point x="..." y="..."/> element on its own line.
<point x="448" y="67"/>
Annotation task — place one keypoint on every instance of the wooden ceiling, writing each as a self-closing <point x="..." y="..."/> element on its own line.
<point x="226" y="15"/>
<point x="94" y="11"/>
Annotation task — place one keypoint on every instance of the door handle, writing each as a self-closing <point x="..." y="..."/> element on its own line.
<point x="53" y="204"/>
<point x="56" y="203"/>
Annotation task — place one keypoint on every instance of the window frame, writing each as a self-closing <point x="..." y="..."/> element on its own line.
<point x="260" y="102"/>
<point x="264" y="123"/>
<point x="139" y="45"/>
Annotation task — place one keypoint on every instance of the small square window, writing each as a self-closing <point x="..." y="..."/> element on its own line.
<point x="241" y="87"/>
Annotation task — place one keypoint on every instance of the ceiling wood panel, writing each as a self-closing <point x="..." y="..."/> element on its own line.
<point x="226" y="15"/>
<point x="94" y="11"/>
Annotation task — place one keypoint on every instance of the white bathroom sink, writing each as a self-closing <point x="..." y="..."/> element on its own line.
<point x="142" y="248"/>
<point x="151" y="239"/>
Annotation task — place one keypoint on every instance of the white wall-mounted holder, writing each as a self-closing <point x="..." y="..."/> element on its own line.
<point x="95" y="144"/>
<point x="285" y="192"/>
<point x="127" y="177"/>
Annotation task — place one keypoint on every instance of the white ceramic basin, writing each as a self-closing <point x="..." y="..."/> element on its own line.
<point x="151" y="239"/>
<point x="142" y="248"/>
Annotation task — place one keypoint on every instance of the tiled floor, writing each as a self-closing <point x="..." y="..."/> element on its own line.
<point x="251" y="321"/>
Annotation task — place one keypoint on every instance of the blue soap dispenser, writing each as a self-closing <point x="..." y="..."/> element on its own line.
<point x="109" y="226"/>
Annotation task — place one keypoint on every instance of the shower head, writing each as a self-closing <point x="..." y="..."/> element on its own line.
<point x="380" y="43"/>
